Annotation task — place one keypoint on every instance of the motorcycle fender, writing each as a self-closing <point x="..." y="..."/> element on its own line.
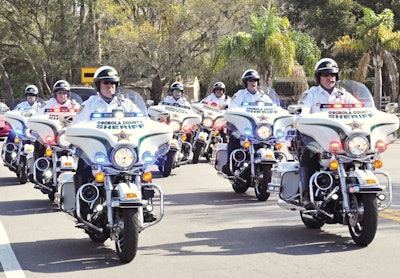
<point x="265" y="155"/>
<point x="128" y="192"/>
<point x="67" y="191"/>
<point x="202" y="136"/>
<point x="174" y="144"/>
<point x="29" y="149"/>
<point x="67" y="162"/>
<point x="367" y="181"/>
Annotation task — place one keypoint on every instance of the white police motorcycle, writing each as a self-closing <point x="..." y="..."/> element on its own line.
<point x="184" y="122"/>
<point x="261" y="128"/>
<point x="120" y="199"/>
<point x="348" y="188"/>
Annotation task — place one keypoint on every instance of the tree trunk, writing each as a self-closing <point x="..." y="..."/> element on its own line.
<point x="7" y="86"/>
<point x="156" y="88"/>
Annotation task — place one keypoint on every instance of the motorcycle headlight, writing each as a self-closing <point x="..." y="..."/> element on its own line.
<point x="176" y="126"/>
<point x="219" y="123"/>
<point x="123" y="157"/>
<point x="207" y="122"/>
<point x="263" y="131"/>
<point x="357" y="145"/>
<point x="62" y="140"/>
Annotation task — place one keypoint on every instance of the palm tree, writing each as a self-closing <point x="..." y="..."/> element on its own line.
<point x="272" y="48"/>
<point x="377" y="42"/>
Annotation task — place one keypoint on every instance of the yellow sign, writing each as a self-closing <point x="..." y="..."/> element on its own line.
<point x="87" y="75"/>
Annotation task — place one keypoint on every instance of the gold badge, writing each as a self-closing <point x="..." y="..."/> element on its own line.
<point x="355" y="125"/>
<point x="122" y="136"/>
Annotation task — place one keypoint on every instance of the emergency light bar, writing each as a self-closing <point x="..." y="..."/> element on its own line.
<point x="354" y="105"/>
<point x="62" y="109"/>
<point x="115" y="114"/>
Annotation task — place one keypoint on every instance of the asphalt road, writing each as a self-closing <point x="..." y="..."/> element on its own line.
<point x="208" y="231"/>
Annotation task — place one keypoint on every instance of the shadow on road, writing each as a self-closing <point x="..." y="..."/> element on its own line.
<point x="294" y="240"/>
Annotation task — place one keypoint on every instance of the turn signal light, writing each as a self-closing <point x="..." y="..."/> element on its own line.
<point x="49" y="152"/>
<point x="380" y="146"/>
<point x="378" y="164"/>
<point x="333" y="164"/>
<point x="130" y="195"/>
<point x="246" y="144"/>
<point x="147" y="177"/>
<point x="99" y="177"/>
<point x="16" y="140"/>
<point x="278" y="146"/>
<point x="335" y="146"/>
<point x="184" y="137"/>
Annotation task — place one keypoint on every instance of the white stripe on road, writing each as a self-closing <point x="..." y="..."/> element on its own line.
<point x="8" y="261"/>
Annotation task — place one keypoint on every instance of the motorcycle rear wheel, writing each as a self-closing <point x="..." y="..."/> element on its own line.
<point x="311" y="223"/>
<point x="363" y="226"/>
<point x="127" y="243"/>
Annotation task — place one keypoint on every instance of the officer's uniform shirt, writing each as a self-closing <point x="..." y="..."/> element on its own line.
<point x="222" y="101"/>
<point x="25" y="106"/>
<point x="316" y="95"/>
<point x="171" y="100"/>
<point x="96" y="103"/>
<point x="245" y="96"/>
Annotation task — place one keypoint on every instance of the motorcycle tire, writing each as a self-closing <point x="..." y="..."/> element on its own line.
<point x="239" y="187"/>
<point x="166" y="168"/>
<point x="311" y="223"/>
<point x="127" y="243"/>
<point x="261" y="188"/>
<point x="22" y="170"/>
<point x="196" y="152"/>
<point x="96" y="237"/>
<point x="363" y="227"/>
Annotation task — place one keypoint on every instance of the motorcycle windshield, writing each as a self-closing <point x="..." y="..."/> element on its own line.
<point x="351" y="94"/>
<point x="271" y="93"/>
<point x="125" y="93"/>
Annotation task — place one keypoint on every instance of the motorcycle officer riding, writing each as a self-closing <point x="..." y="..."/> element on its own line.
<point x="106" y="80"/>
<point x="326" y="74"/>
<point x="249" y="93"/>
<point x="218" y="96"/>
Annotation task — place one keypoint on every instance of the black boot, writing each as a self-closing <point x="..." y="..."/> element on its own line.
<point x="305" y="180"/>
<point x="226" y="170"/>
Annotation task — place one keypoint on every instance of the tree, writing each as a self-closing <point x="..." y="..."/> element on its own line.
<point x="378" y="42"/>
<point x="271" y="46"/>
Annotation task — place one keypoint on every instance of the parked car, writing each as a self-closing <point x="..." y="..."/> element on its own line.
<point x="83" y="92"/>
<point x="4" y="126"/>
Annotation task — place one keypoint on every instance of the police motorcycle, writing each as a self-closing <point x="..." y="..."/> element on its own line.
<point x="348" y="188"/>
<point x="261" y="128"/>
<point x="184" y="122"/>
<point x="120" y="199"/>
<point x="211" y="130"/>
<point x="17" y="153"/>
<point x="53" y="153"/>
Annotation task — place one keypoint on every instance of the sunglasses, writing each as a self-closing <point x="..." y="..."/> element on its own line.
<point x="252" y="80"/>
<point x="31" y="95"/>
<point x="109" y="82"/>
<point x="176" y="91"/>
<point x="62" y="93"/>
<point x="326" y="74"/>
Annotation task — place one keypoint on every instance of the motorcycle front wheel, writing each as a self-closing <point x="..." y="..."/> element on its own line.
<point x="22" y="171"/>
<point x="127" y="243"/>
<point x="168" y="164"/>
<point x="262" y="186"/>
<point x="363" y="224"/>
<point x="196" y="152"/>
